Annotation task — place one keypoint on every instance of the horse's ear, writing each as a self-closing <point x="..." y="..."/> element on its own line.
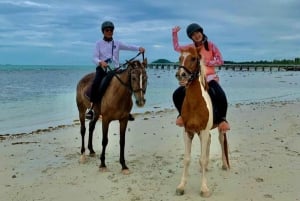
<point x="185" y="49"/>
<point x="128" y="62"/>
<point x="145" y="62"/>
<point x="198" y="50"/>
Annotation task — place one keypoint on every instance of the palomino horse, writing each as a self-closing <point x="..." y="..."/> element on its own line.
<point x="116" y="105"/>
<point x="197" y="115"/>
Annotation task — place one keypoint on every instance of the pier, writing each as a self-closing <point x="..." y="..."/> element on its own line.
<point x="237" y="67"/>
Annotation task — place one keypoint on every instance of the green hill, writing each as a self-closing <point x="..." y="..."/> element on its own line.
<point x="161" y="61"/>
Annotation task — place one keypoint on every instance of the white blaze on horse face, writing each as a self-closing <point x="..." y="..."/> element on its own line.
<point x="141" y="82"/>
<point x="184" y="56"/>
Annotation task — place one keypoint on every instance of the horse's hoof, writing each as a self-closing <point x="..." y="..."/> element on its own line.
<point x="82" y="159"/>
<point x="224" y="167"/>
<point x="179" y="191"/>
<point x="125" y="172"/>
<point x="205" y="194"/>
<point x="103" y="169"/>
<point x="93" y="154"/>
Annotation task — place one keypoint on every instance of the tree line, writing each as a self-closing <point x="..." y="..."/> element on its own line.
<point x="275" y="61"/>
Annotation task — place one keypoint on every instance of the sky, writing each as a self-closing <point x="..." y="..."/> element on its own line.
<point x="64" y="32"/>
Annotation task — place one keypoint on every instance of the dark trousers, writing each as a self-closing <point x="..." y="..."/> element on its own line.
<point x="100" y="74"/>
<point x="217" y="95"/>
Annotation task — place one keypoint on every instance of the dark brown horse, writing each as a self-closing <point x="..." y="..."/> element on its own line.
<point x="116" y="105"/>
<point x="197" y="116"/>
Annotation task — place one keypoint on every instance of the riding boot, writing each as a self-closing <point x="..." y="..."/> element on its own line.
<point x="130" y="117"/>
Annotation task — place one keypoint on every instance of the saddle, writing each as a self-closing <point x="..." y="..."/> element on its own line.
<point x="103" y="85"/>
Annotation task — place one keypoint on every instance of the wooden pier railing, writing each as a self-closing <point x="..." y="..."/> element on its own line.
<point x="237" y="67"/>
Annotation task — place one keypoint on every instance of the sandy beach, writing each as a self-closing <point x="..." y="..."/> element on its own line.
<point x="264" y="156"/>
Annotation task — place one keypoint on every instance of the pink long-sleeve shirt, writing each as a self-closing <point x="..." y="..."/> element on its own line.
<point x="212" y="58"/>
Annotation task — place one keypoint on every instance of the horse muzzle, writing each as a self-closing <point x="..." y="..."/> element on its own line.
<point x="182" y="78"/>
<point x="140" y="102"/>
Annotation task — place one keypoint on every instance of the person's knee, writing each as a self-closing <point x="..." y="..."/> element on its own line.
<point x="178" y="93"/>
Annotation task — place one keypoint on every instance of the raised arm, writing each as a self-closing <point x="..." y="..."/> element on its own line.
<point x="176" y="45"/>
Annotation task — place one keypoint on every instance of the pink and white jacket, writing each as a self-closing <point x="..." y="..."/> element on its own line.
<point x="211" y="58"/>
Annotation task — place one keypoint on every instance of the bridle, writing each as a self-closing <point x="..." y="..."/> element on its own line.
<point x="141" y="88"/>
<point x="130" y="69"/>
<point x="190" y="75"/>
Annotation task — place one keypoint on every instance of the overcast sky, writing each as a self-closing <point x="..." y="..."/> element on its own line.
<point x="65" y="31"/>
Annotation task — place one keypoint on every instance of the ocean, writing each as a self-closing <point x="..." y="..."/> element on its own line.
<point x="41" y="96"/>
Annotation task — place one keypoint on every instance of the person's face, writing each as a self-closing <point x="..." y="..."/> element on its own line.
<point x="197" y="36"/>
<point x="108" y="32"/>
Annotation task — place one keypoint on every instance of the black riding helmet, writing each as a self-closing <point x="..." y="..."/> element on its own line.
<point x="192" y="28"/>
<point x="196" y="27"/>
<point x="107" y="24"/>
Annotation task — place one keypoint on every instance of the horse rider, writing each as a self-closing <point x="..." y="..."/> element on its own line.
<point x="106" y="54"/>
<point x="212" y="58"/>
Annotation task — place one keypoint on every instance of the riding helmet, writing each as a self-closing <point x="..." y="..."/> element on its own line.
<point x="192" y="28"/>
<point x="107" y="24"/>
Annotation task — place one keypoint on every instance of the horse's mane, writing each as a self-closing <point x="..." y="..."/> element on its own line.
<point x="202" y="77"/>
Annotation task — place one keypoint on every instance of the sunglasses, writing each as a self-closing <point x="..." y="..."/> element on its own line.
<point x="108" y="30"/>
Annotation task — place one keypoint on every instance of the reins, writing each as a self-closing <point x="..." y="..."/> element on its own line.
<point x="193" y="75"/>
<point x="123" y="83"/>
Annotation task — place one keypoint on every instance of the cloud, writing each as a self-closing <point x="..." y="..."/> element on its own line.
<point x="64" y="32"/>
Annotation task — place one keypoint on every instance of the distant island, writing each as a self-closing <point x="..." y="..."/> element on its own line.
<point x="162" y="61"/>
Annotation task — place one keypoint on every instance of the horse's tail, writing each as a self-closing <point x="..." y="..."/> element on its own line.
<point x="226" y="149"/>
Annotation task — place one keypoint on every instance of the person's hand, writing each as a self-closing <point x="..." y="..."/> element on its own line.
<point x="176" y="29"/>
<point x="141" y="50"/>
<point x="103" y="64"/>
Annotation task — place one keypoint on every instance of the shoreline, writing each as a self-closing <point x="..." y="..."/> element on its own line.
<point x="57" y="108"/>
<point x="76" y="121"/>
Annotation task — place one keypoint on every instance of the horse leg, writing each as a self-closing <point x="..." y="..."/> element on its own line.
<point x="204" y="140"/>
<point x="105" y="125"/>
<point x="208" y="151"/>
<point x="123" y="126"/>
<point x="186" y="162"/>
<point x="224" y="147"/>
<point x="82" y="132"/>
<point x="92" y="125"/>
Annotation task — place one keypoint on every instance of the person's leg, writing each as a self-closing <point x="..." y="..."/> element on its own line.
<point x="220" y="105"/>
<point x="100" y="73"/>
<point x="178" y="97"/>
